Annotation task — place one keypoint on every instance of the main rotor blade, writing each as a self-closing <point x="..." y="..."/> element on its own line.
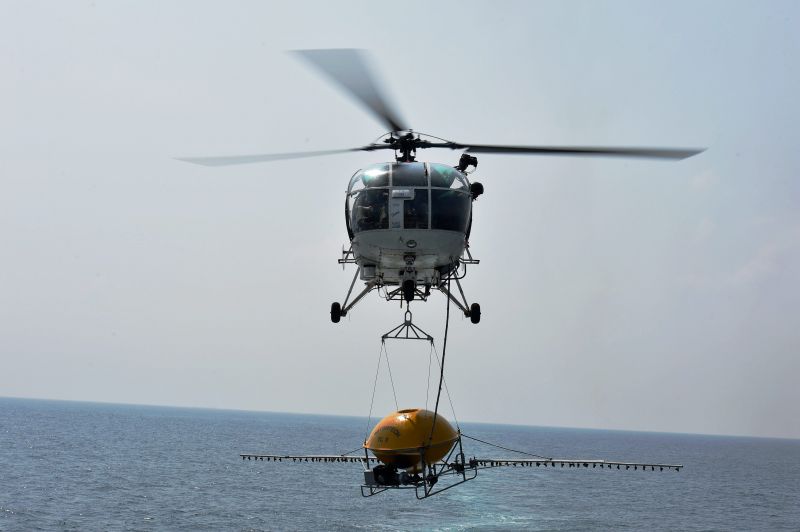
<point x="265" y="157"/>
<point x="349" y="69"/>
<point x="590" y="151"/>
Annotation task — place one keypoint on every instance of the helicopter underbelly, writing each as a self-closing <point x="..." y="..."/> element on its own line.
<point x="389" y="250"/>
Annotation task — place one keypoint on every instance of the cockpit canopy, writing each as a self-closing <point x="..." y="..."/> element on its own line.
<point x="409" y="196"/>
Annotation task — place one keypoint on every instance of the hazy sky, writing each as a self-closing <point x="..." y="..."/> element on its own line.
<point x="615" y="294"/>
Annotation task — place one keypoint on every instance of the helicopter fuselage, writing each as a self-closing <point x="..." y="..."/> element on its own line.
<point x="408" y="221"/>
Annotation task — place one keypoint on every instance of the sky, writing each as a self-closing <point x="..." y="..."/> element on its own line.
<point x="616" y="294"/>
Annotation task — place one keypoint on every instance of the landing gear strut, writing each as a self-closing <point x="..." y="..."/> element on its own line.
<point x="408" y="291"/>
<point x="473" y="312"/>
<point x="339" y="310"/>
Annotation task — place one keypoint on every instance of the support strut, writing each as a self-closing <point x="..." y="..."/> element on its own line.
<point x="464" y="307"/>
<point x="367" y="289"/>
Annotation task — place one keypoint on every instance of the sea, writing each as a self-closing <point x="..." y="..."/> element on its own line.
<point x="91" y="466"/>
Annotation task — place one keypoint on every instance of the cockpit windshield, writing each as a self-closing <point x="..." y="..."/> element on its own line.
<point x="409" y="175"/>
<point x="415" y="210"/>
<point x="374" y="176"/>
<point x="409" y="196"/>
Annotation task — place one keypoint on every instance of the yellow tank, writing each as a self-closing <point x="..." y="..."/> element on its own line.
<point x="396" y="440"/>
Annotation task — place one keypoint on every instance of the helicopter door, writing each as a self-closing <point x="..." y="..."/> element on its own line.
<point x="399" y="195"/>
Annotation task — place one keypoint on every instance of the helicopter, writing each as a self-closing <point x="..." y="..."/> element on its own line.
<point x="408" y="222"/>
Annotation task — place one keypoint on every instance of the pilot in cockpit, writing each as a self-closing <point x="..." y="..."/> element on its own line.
<point x="370" y="210"/>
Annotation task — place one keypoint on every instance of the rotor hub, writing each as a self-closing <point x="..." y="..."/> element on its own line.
<point x="404" y="145"/>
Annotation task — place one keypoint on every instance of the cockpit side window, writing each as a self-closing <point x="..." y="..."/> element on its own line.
<point x="356" y="183"/>
<point x="443" y="176"/>
<point x="371" y="210"/>
<point x="450" y="210"/>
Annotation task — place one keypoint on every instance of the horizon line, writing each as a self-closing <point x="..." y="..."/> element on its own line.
<point x="251" y="411"/>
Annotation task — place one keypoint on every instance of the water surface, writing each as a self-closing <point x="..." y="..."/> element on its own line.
<point x="78" y="466"/>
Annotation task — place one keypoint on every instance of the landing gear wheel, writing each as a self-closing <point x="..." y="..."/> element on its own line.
<point x="336" y="312"/>
<point x="475" y="313"/>
<point x="409" y="287"/>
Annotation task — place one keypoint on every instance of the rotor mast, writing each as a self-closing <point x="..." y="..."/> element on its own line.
<point x="405" y="146"/>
